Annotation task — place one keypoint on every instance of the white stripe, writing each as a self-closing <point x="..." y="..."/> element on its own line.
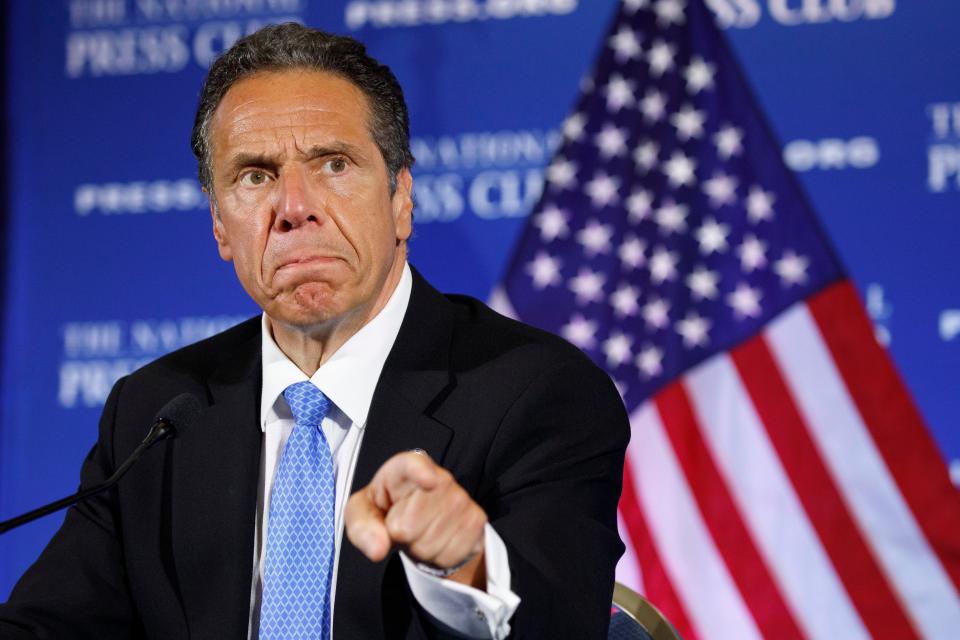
<point x="629" y="571"/>
<point x="697" y="572"/>
<point x="858" y="468"/>
<point x="768" y="503"/>
<point x="501" y="303"/>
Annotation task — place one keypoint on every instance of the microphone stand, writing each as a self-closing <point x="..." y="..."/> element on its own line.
<point x="162" y="429"/>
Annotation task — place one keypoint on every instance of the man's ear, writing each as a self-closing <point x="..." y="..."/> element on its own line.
<point x="219" y="233"/>
<point x="402" y="202"/>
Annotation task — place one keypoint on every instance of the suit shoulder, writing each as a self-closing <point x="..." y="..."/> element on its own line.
<point x="201" y="359"/>
<point x="482" y="334"/>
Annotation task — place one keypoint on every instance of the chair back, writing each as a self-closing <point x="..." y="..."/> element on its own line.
<point x="633" y="618"/>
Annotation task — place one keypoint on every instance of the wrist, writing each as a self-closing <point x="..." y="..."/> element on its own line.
<point x="443" y="572"/>
<point x="473" y="573"/>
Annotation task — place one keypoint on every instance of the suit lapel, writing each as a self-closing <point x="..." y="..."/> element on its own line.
<point x="215" y="474"/>
<point x="415" y="378"/>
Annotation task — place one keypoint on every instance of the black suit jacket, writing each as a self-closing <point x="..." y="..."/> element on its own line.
<point x="525" y="422"/>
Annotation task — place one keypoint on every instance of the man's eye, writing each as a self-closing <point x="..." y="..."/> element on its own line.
<point x="337" y="165"/>
<point x="255" y="177"/>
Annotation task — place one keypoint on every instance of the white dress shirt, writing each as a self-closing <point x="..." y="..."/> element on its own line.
<point x="348" y="379"/>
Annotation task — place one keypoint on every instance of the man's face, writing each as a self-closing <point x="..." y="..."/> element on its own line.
<point x="305" y="211"/>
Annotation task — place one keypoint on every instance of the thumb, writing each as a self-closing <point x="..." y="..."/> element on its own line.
<point x="365" y="526"/>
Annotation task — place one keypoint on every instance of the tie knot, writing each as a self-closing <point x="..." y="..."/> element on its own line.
<point x="308" y="404"/>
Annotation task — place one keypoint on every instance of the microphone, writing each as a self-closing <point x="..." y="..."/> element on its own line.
<point x="173" y="418"/>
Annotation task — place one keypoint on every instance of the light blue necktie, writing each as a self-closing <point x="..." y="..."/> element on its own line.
<point x="301" y="532"/>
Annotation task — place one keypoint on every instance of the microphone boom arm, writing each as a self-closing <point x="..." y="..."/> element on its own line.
<point x="163" y="428"/>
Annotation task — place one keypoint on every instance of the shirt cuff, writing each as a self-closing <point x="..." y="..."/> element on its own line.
<point x="469" y="612"/>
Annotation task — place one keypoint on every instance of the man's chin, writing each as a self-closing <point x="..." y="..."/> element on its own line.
<point x="309" y="305"/>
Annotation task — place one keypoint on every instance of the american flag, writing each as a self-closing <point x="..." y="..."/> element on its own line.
<point x="780" y="482"/>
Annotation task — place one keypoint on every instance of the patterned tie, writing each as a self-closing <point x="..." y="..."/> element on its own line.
<point x="301" y="533"/>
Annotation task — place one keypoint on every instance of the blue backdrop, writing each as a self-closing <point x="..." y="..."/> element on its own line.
<point x="110" y="261"/>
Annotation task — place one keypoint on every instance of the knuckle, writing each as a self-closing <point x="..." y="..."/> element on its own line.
<point x="475" y="520"/>
<point x="457" y="501"/>
<point x="480" y="514"/>
<point x="400" y="529"/>
<point x="396" y="532"/>
<point x="444" y="478"/>
<point x="412" y="457"/>
<point x="422" y="551"/>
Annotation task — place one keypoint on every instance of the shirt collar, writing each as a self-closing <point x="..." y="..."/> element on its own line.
<point x="350" y="376"/>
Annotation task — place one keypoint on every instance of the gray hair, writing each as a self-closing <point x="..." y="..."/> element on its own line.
<point x="292" y="46"/>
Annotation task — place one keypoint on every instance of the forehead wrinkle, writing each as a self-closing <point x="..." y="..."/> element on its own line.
<point x="274" y="125"/>
<point x="355" y="97"/>
<point x="296" y="119"/>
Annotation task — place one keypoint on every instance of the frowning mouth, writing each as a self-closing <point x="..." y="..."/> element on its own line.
<point x="306" y="261"/>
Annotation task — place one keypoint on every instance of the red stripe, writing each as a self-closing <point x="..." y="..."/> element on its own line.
<point x="759" y="590"/>
<point x="893" y="420"/>
<point x="656" y="583"/>
<point x="858" y="569"/>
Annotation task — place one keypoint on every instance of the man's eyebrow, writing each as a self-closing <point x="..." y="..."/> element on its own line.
<point x="333" y="148"/>
<point x="267" y="161"/>
<point x="243" y="159"/>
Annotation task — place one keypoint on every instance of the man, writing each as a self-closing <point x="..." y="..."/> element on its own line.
<point x="483" y="457"/>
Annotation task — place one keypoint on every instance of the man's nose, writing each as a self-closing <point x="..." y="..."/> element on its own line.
<point x="296" y="203"/>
